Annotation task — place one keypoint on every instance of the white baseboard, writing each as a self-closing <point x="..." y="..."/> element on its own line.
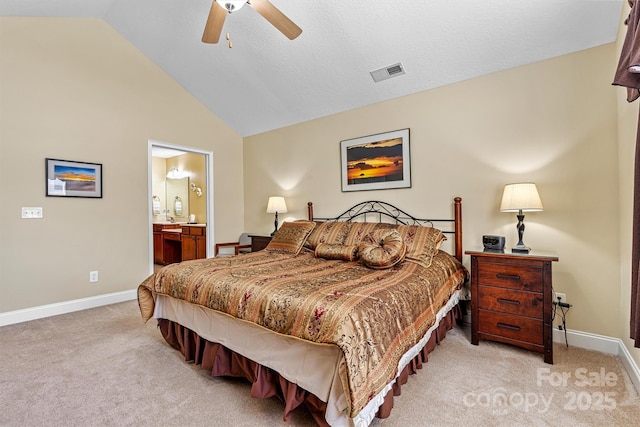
<point x="602" y="344"/>
<point x="630" y="365"/>
<point x="33" y="313"/>
<point x="589" y="341"/>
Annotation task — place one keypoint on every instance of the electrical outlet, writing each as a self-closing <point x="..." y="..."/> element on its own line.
<point x="560" y="297"/>
<point x="93" y="276"/>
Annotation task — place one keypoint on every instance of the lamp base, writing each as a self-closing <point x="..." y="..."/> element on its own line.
<point x="275" y="225"/>
<point x="520" y="249"/>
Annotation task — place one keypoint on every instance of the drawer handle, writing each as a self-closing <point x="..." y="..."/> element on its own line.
<point x="507" y="276"/>
<point x="510" y="327"/>
<point x="508" y="301"/>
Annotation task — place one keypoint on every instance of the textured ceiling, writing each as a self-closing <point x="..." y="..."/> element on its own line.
<point x="267" y="81"/>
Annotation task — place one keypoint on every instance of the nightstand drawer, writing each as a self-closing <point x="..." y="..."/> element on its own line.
<point x="509" y="301"/>
<point x="510" y="276"/>
<point x="510" y="326"/>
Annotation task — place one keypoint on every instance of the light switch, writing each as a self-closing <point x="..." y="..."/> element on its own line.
<point x="30" y="213"/>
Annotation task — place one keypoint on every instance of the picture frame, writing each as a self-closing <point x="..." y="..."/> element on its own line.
<point x="68" y="178"/>
<point x="376" y="162"/>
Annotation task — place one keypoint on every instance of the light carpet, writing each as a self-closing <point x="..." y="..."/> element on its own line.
<point x="104" y="367"/>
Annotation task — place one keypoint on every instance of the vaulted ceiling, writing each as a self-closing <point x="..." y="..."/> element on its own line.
<point x="267" y="81"/>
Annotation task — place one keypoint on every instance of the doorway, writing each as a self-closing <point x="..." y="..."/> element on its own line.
<point x="180" y="190"/>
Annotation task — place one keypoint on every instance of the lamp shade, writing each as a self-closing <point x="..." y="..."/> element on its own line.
<point x="276" y="205"/>
<point x="522" y="196"/>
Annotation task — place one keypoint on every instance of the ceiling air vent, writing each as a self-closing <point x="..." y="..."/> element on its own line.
<point x="387" y="72"/>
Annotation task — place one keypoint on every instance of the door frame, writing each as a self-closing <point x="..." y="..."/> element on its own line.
<point x="209" y="193"/>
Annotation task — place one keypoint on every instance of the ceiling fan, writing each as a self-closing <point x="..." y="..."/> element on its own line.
<point x="220" y="9"/>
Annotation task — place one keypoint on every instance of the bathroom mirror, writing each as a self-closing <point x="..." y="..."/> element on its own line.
<point x="178" y="198"/>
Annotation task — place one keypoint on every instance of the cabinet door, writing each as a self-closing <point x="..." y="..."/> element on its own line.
<point x="189" y="248"/>
<point x="201" y="247"/>
<point x="157" y="248"/>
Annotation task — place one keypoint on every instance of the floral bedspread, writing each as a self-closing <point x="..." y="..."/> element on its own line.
<point x="373" y="316"/>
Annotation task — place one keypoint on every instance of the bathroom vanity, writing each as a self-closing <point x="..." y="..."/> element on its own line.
<point x="173" y="242"/>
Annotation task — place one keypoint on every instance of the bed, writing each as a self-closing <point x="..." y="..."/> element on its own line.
<point x="334" y="314"/>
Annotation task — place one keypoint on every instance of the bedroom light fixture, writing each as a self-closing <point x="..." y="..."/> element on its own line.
<point x="232" y="5"/>
<point x="521" y="197"/>
<point x="276" y="205"/>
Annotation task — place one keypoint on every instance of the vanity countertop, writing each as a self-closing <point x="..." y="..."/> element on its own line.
<point x="178" y="223"/>
<point x="179" y="230"/>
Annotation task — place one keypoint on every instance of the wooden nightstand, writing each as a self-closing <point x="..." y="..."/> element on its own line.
<point x="258" y="243"/>
<point x="511" y="300"/>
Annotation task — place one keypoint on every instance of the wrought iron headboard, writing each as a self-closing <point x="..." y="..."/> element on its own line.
<point x="385" y="211"/>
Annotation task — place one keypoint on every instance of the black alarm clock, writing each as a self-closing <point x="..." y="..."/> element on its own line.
<point x="493" y="243"/>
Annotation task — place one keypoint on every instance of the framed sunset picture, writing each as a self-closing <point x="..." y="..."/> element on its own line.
<point x="376" y="162"/>
<point x="66" y="178"/>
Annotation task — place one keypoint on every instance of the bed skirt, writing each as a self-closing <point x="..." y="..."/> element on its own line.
<point x="220" y="361"/>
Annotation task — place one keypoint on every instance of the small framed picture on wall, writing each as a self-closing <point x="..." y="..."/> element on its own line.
<point x="67" y="178"/>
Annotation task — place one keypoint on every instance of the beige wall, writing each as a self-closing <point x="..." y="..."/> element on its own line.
<point x="75" y="89"/>
<point x="552" y="122"/>
<point x="627" y="128"/>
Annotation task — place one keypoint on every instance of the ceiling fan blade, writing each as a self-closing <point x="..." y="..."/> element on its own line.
<point x="278" y="19"/>
<point x="215" y="21"/>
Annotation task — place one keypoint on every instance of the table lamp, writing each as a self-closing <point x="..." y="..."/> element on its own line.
<point x="520" y="197"/>
<point x="276" y="204"/>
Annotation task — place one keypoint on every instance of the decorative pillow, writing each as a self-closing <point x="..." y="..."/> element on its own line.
<point x="422" y="242"/>
<point x="358" y="232"/>
<point x="383" y="248"/>
<point x="328" y="232"/>
<point x="290" y="237"/>
<point x="335" y="251"/>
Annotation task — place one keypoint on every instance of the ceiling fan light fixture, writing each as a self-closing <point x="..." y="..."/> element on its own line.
<point x="232" y="5"/>
<point x="217" y="15"/>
